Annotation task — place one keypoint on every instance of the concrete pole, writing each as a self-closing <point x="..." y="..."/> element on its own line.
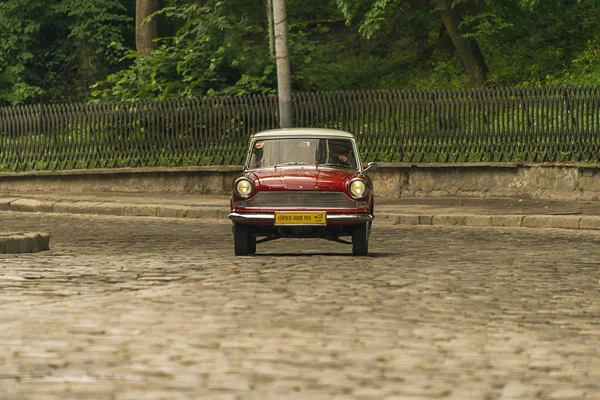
<point x="271" y="33"/>
<point x="284" y="86"/>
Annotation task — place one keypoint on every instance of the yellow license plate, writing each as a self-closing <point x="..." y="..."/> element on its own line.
<point x="301" y="218"/>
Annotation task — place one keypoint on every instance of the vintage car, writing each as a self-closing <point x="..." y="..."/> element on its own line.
<point x="302" y="183"/>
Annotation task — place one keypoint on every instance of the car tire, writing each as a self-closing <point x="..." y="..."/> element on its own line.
<point x="360" y="239"/>
<point x="251" y="244"/>
<point x="241" y="240"/>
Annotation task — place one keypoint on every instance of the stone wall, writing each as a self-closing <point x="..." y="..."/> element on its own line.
<point x="531" y="181"/>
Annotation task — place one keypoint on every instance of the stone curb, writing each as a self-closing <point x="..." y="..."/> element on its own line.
<point x="579" y="222"/>
<point x="24" y="242"/>
<point x="114" y="209"/>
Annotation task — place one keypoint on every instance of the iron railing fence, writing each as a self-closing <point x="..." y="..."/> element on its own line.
<point x="132" y="134"/>
<point x="549" y="124"/>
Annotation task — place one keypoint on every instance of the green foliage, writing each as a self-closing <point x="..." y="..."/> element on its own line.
<point x="96" y="29"/>
<point x="524" y="42"/>
<point x="17" y="39"/>
<point x="210" y="54"/>
<point x="307" y="54"/>
<point x="79" y="50"/>
<point x="375" y="18"/>
<point x="53" y="50"/>
<point x="97" y="25"/>
<point x="543" y="44"/>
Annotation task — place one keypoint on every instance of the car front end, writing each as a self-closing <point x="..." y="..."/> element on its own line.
<point x="301" y="199"/>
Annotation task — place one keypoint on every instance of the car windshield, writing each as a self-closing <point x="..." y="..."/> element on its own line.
<point x="334" y="153"/>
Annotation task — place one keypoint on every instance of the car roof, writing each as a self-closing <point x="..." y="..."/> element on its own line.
<point x="302" y="132"/>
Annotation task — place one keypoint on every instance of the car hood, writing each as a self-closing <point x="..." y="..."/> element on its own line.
<point x="303" y="179"/>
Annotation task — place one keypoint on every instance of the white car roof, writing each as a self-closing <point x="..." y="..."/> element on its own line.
<point x="302" y="132"/>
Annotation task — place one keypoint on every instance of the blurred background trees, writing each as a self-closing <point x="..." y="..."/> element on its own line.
<point x="55" y="51"/>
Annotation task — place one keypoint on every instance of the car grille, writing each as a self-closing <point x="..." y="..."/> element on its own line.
<point x="302" y="199"/>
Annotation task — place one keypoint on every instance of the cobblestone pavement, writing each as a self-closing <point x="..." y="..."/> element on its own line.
<point x="148" y="308"/>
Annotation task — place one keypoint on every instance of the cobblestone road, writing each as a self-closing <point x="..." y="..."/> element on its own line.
<point x="141" y="308"/>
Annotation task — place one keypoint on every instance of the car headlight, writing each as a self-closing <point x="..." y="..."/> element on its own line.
<point x="244" y="187"/>
<point x="358" y="188"/>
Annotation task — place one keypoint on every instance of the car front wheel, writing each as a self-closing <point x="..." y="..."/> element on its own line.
<point x="251" y="244"/>
<point x="360" y="240"/>
<point x="241" y="240"/>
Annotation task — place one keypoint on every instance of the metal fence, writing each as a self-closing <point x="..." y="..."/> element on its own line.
<point x="551" y="124"/>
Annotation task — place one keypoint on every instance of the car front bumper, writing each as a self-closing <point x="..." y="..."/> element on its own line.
<point x="248" y="218"/>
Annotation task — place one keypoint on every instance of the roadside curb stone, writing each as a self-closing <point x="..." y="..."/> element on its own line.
<point x="24" y="242"/>
<point x="589" y="222"/>
<point x="210" y="212"/>
<point x="117" y="209"/>
<point x="80" y="207"/>
<point x="478" y="220"/>
<point x="393" y="219"/>
<point x="141" y="210"/>
<point x="222" y="214"/>
<point x="448" y="220"/>
<point x="31" y="205"/>
<point x="5" y="203"/>
<point x="203" y="212"/>
<point x="172" y="211"/>
<point x="409" y="220"/>
<point x="552" y="221"/>
<point x="508" y="221"/>
<point x="495" y="221"/>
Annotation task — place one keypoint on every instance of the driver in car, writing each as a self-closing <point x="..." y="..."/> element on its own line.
<point x="341" y="153"/>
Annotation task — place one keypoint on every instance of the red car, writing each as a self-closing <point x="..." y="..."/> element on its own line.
<point x="302" y="183"/>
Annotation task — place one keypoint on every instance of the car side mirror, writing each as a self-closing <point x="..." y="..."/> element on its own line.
<point x="372" y="167"/>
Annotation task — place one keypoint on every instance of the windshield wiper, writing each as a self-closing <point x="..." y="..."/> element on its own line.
<point x="334" y="165"/>
<point x="291" y="163"/>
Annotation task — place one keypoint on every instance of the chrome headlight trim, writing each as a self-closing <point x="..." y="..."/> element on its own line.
<point x="358" y="188"/>
<point x="244" y="187"/>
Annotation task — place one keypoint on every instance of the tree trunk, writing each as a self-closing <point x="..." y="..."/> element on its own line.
<point x="145" y="33"/>
<point x="467" y="48"/>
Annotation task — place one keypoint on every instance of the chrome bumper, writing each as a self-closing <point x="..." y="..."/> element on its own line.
<point x="270" y="217"/>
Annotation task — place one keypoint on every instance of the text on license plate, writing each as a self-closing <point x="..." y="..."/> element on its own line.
<point x="301" y="218"/>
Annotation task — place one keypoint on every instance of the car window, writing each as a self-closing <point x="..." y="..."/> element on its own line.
<point x="334" y="153"/>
